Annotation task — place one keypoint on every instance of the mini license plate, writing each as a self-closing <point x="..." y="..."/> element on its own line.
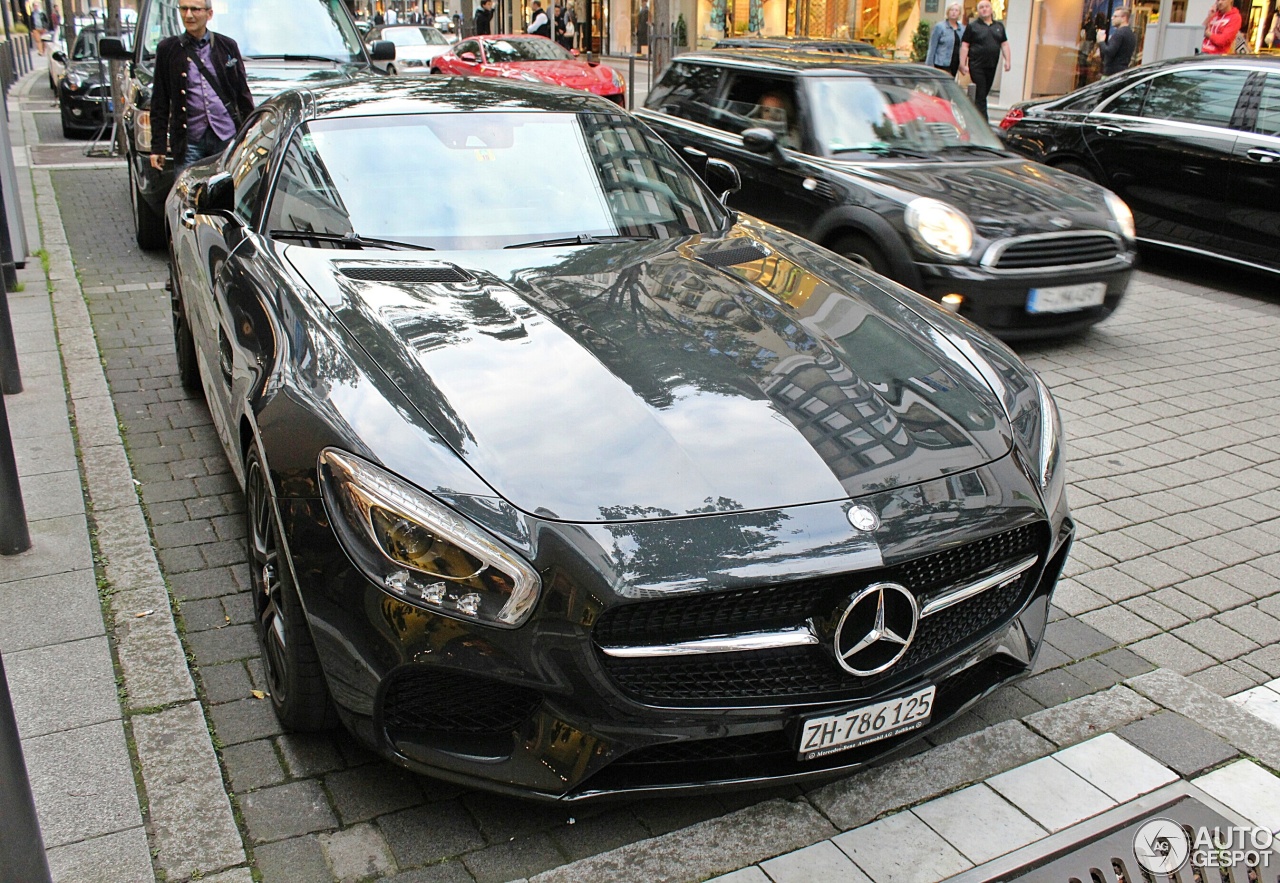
<point x="848" y="729"/>
<point x="1064" y="298"/>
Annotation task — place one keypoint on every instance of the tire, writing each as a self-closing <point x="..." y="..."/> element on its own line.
<point x="67" y="131"/>
<point x="299" y="694"/>
<point x="184" y="344"/>
<point x="1077" y="169"/>
<point x="147" y="224"/>
<point x="859" y="248"/>
<point x="391" y="70"/>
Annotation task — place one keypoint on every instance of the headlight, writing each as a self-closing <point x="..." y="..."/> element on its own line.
<point x="1124" y="217"/>
<point x="142" y="131"/>
<point x="75" y="82"/>
<point x="417" y="549"/>
<point x="618" y="81"/>
<point x="1050" y="473"/>
<point x="939" y="227"/>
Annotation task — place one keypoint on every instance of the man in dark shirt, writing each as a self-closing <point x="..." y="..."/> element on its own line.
<point x="1117" y="51"/>
<point x="484" y="18"/>
<point x="201" y="94"/>
<point x="981" y="48"/>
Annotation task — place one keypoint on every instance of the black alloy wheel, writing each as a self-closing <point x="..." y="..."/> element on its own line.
<point x="858" y="248"/>
<point x="296" y="684"/>
<point x="1077" y="169"/>
<point x="148" y="225"/>
<point x="184" y="344"/>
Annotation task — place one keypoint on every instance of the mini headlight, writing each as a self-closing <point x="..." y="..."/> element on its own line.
<point x="418" y="550"/>
<point x="1124" y="217"/>
<point x="75" y="82"/>
<point x="939" y="227"/>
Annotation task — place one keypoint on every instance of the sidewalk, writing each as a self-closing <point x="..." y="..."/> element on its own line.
<point x="129" y="785"/>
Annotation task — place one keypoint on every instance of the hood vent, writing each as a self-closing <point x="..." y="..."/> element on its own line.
<point x="748" y="251"/>
<point x="420" y="274"/>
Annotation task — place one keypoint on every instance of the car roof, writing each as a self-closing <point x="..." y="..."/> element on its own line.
<point x="805" y="61"/>
<point x="443" y="94"/>
<point x="732" y="42"/>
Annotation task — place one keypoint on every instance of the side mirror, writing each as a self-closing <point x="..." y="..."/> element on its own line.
<point x="760" y="140"/>
<point x="216" y="195"/>
<point x="722" y="177"/>
<point x="59" y="56"/>
<point x="113" y="49"/>
<point x="574" y="52"/>
<point x="469" y="57"/>
<point x="383" y="50"/>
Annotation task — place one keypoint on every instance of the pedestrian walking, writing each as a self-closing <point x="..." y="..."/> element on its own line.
<point x="539" y="21"/>
<point x="569" y="28"/>
<point x="1117" y="51"/>
<point x="642" y="27"/>
<point x="1220" y="28"/>
<point x="944" y="41"/>
<point x="484" y="18"/>
<point x="201" y="94"/>
<point x="38" y="24"/>
<point x="983" y="45"/>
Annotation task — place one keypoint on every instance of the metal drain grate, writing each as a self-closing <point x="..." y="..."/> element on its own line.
<point x="1101" y="850"/>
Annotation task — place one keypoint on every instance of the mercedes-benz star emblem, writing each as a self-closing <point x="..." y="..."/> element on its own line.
<point x="876" y="629"/>
<point x="863" y="518"/>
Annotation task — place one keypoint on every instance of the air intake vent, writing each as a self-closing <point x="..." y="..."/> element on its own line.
<point x="748" y="251"/>
<point x="436" y="273"/>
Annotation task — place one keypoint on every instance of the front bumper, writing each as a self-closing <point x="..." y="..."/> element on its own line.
<point x="545" y="712"/>
<point x="83" y="111"/>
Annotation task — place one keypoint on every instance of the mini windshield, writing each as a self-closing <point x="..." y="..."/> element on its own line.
<point x="86" y="46"/>
<point x="488" y="180"/>
<point x="313" y="28"/>
<point x="525" y="49"/>
<point x="414" y="36"/>
<point x="910" y="116"/>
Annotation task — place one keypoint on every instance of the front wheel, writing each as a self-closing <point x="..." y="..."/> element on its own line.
<point x="298" y="691"/>
<point x="1077" y="169"/>
<point x="391" y="70"/>
<point x="859" y="248"/>
<point x="184" y="344"/>
<point x="147" y="223"/>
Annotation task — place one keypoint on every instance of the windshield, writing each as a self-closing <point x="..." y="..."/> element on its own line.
<point x="86" y="46"/>
<point x="488" y="180"/>
<point x="912" y="115"/>
<point x="316" y="28"/>
<point x="414" y="36"/>
<point x="525" y="49"/>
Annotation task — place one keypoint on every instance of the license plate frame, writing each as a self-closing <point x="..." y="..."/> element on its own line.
<point x="1066" y="298"/>
<point x="828" y="733"/>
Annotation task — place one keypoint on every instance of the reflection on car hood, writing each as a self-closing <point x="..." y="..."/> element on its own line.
<point x="268" y="76"/>
<point x="636" y="380"/>
<point x="1001" y="197"/>
<point x="577" y="74"/>
<point x="88" y="68"/>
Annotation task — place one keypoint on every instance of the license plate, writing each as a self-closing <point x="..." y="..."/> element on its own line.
<point x="1064" y="298"/>
<point x="870" y="723"/>
<point x="110" y="105"/>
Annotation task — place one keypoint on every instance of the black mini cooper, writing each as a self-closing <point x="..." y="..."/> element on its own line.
<point x="890" y="165"/>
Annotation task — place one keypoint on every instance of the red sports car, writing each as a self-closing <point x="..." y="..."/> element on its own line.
<point x="536" y="59"/>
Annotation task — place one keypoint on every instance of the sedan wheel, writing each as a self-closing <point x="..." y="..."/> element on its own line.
<point x="184" y="345"/>
<point x="148" y="225"/>
<point x="1078" y="170"/>
<point x="294" y="679"/>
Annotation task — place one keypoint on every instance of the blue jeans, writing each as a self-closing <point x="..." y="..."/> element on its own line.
<point x="203" y="147"/>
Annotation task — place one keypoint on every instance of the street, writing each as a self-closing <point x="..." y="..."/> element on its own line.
<point x="1172" y="413"/>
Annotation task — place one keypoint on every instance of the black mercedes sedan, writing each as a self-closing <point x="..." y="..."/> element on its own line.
<point x="1192" y="145"/>
<point x="564" y="480"/>
<point x="891" y="166"/>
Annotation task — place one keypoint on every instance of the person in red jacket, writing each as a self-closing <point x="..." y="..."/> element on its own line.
<point x="1220" y="28"/>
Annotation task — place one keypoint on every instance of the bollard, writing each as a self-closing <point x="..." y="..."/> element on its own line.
<point x="22" y="858"/>
<point x="14" y="535"/>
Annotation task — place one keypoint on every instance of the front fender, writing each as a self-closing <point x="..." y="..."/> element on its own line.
<point x="847" y="219"/>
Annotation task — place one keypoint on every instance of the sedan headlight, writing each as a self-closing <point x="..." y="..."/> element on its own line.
<point x="142" y="131"/>
<point x="417" y="549"/>
<point x="941" y="228"/>
<point x="1050" y="474"/>
<point x="1124" y="217"/>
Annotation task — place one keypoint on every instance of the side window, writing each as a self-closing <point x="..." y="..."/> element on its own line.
<point x="1205" y="97"/>
<point x="471" y="46"/>
<point x="305" y="198"/>
<point x="247" y="161"/>
<point x="752" y="101"/>
<point x="686" y="90"/>
<point x="1269" y="107"/>
<point x="1129" y="102"/>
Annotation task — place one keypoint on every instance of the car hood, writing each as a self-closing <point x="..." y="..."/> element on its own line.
<point x="637" y="380"/>
<point x="1046" y="200"/>
<point x="88" y="68"/>
<point x="266" y="77"/>
<point x="574" y="74"/>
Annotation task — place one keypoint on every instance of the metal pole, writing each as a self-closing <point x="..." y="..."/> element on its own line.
<point x="14" y="535"/>
<point x="8" y="271"/>
<point x="22" y="857"/>
<point x="631" y="82"/>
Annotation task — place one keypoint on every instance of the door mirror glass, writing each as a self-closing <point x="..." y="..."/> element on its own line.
<point x="469" y="57"/>
<point x="760" y="140"/>
<point x="112" y="49"/>
<point x="216" y="196"/>
<point x="383" y="50"/>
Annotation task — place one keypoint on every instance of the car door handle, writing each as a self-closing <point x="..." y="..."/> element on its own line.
<point x="189" y="218"/>
<point x="1109" y="130"/>
<point x="695" y="152"/>
<point x="1259" y="154"/>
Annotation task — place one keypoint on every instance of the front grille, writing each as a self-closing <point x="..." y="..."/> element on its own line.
<point x="1065" y="250"/>
<point x="441" y="273"/>
<point x="98" y="92"/>
<point x="426" y="698"/>
<point x="808" y="673"/>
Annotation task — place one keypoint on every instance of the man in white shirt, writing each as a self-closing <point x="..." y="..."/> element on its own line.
<point x="539" y="22"/>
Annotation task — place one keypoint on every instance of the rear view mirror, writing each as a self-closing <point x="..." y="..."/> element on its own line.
<point x="216" y="195"/>
<point x="113" y="49"/>
<point x="722" y="177"/>
<point x="383" y="50"/>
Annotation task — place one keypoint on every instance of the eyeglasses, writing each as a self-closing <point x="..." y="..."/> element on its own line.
<point x="193" y="10"/>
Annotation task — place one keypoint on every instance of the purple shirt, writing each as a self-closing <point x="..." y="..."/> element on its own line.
<point x="205" y="109"/>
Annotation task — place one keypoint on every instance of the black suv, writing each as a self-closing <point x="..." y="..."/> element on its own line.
<point x="890" y="165"/>
<point x="284" y="43"/>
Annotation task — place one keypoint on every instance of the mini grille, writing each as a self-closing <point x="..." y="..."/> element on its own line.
<point x="443" y="273"/>
<point x="738" y="254"/>
<point x="98" y="91"/>
<point x="430" y="699"/>
<point x="1058" y="251"/>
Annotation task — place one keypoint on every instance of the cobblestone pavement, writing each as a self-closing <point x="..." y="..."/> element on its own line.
<point x="1171" y="408"/>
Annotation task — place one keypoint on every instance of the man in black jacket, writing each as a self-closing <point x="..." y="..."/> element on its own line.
<point x="201" y="94"/>
<point x="1117" y="52"/>
<point x="484" y="18"/>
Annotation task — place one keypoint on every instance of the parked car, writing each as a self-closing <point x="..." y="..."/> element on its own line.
<point x="801" y="44"/>
<point x="534" y="59"/>
<point x="320" y="45"/>
<point x="84" y="88"/>
<point x="416" y="46"/>
<point x="1192" y="145"/>
<point x="579" y="483"/>
<point x="890" y="165"/>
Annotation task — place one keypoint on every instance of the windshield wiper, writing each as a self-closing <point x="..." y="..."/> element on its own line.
<point x="346" y="240"/>
<point x="580" y="239"/>
<point x="290" y="57"/>
<point x="885" y="150"/>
